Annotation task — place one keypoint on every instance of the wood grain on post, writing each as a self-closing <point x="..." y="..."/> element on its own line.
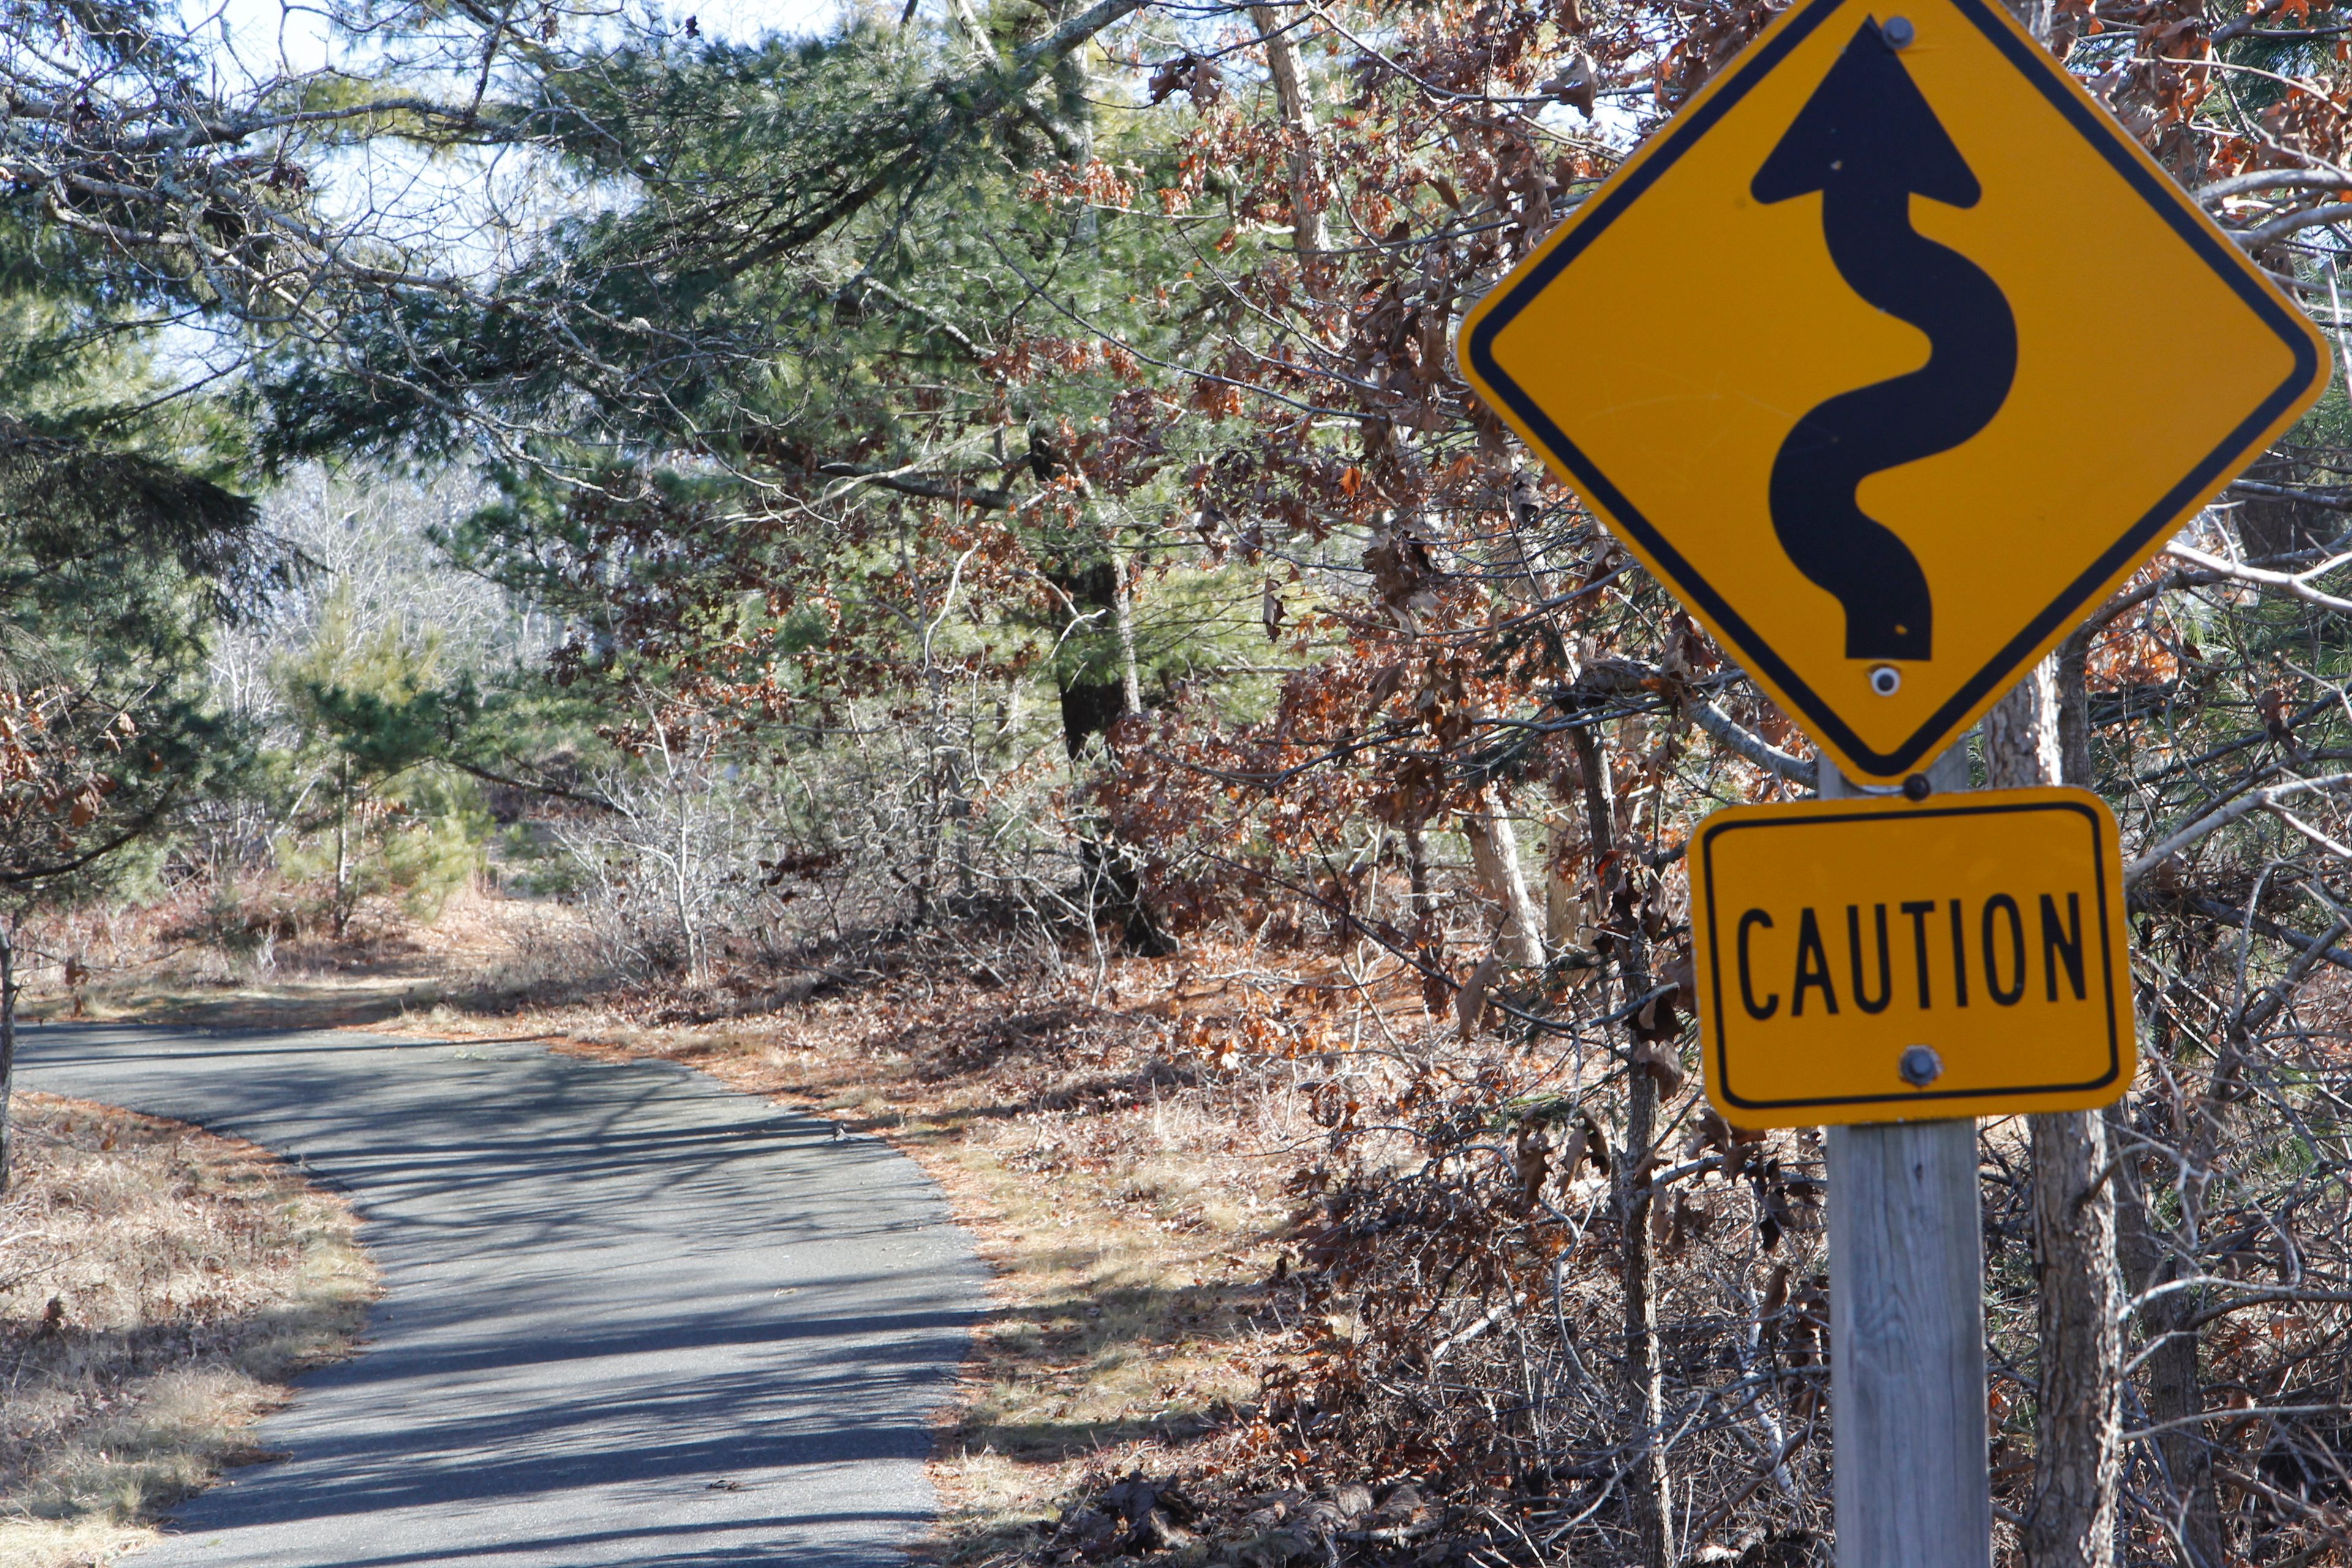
<point x="1910" y="1476"/>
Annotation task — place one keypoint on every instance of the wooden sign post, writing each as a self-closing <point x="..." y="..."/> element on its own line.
<point x="1912" y="1482"/>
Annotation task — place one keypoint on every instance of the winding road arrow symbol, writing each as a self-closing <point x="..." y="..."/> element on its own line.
<point x="1868" y="142"/>
<point x="1929" y="536"/>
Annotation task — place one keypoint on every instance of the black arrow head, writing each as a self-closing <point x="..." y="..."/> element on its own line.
<point x="1866" y="126"/>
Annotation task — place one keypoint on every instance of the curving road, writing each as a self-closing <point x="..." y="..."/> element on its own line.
<point x="631" y="1317"/>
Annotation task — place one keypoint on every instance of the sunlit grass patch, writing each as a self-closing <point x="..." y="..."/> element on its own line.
<point x="158" y="1286"/>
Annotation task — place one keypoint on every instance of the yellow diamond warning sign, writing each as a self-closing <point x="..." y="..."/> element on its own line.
<point x="1892" y="355"/>
<point x="1875" y="961"/>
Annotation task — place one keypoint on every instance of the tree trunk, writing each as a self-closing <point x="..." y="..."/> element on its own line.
<point x="1494" y="852"/>
<point x="8" y="1051"/>
<point x="2074" y="679"/>
<point x="343" y="911"/>
<point x="1090" y="707"/>
<point x="1416" y="871"/>
<point x="1518" y="570"/>
<point x="685" y="889"/>
<point x="1649" y="1488"/>
<point x="1298" y="111"/>
<point x="1651" y="1484"/>
<point x="2079" y="1422"/>
<point x="2175" y="1393"/>
<point x="1567" y="919"/>
<point x="1130" y="676"/>
<point x="975" y="36"/>
<point x="2078" y="1431"/>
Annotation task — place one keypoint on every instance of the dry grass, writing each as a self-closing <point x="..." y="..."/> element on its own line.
<point x="158" y="1286"/>
<point x="491" y="952"/>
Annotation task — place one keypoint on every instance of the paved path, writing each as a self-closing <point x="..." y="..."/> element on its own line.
<point x="631" y="1317"/>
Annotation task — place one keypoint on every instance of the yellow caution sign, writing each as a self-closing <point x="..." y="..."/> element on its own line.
<point x="1878" y="961"/>
<point x="1860" y="354"/>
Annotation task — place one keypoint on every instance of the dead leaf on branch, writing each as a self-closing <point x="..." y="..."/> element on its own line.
<point x="1662" y="1062"/>
<point x="1578" y="84"/>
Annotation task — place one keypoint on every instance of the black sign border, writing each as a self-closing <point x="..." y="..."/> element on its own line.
<point x="2075" y="599"/>
<point x="2100" y="853"/>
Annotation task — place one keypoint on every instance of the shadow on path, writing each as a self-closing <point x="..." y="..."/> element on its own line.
<point x="631" y="1317"/>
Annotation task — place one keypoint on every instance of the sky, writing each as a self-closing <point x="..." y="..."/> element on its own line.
<point x="478" y="213"/>
<point x="265" y="32"/>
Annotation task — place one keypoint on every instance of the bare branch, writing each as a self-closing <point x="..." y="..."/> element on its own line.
<point x="2222" y="817"/>
<point x="2297" y="584"/>
<point x="1753" y="746"/>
